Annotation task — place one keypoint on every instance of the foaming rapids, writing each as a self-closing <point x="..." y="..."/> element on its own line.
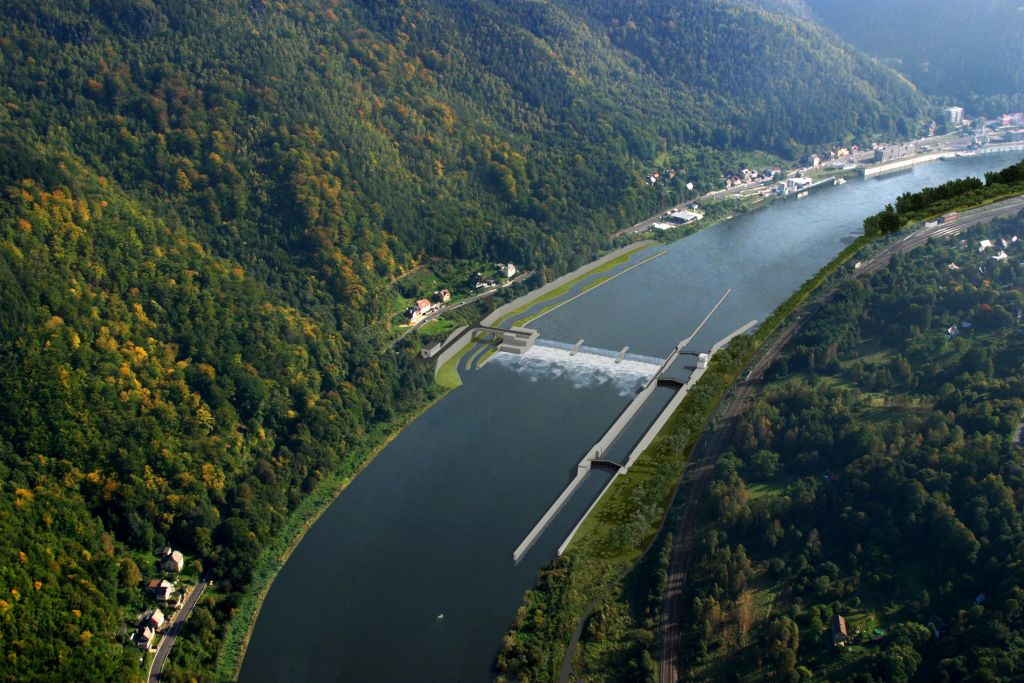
<point x="587" y="369"/>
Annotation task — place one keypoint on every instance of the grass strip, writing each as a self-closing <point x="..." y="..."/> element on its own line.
<point x="597" y="282"/>
<point x="448" y="374"/>
<point x="299" y="521"/>
<point x="566" y="287"/>
<point x="641" y="499"/>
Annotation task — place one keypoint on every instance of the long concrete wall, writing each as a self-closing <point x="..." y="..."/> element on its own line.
<point x="584" y="465"/>
<point x="670" y="408"/>
<point x="998" y="148"/>
<point x="454" y="349"/>
<point x="893" y="166"/>
<point x="652" y="432"/>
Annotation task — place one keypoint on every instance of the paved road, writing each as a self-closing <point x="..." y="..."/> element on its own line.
<point x="669" y="631"/>
<point x="459" y="304"/>
<point x="648" y="223"/>
<point x="968" y="219"/>
<point x="156" y="669"/>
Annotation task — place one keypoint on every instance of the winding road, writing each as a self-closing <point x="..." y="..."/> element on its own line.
<point x="156" y="668"/>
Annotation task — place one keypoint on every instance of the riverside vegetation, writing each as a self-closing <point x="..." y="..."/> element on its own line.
<point x="613" y="562"/>
<point x="879" y="477"/>
<point x="207" y="206"/>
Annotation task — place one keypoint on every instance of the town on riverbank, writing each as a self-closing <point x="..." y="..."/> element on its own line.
<point x="429" y="298"/>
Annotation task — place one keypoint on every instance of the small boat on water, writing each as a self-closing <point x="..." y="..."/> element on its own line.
<point x="840" y="181"/>
<point x="803" y="194"/>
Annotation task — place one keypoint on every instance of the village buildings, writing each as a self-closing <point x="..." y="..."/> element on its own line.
<point x="150" y="622"/>
<point x="160" y="589"/>
<point x="840" y="636"/>
<point x="171" y="560"/>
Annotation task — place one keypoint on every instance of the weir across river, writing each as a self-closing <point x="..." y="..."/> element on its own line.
<point x="594" y="457"/>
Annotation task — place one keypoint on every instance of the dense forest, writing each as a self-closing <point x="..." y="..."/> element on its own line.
<point x="931" y="202"/>
<point x="878" y="477"/>
<point x="205" y="206"/>
<point x="971" y="51"/>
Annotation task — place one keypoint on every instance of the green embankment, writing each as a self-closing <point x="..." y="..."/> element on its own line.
<point x="593" y="284"/>
<point x="301" y="520"/>
<point x="566" y="287"/>
<point x="447" y="374"/>
<point x="628" y="518"/>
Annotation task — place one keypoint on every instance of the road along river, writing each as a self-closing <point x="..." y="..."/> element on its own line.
<point x="408" y="575"/>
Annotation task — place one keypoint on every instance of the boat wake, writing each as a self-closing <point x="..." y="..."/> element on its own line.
<point x="587" y="369"/>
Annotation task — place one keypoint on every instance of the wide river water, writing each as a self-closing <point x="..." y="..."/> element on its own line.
<point x="408" y="576"/>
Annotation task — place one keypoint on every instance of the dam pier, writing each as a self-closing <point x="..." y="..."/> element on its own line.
<point x="595" y="457"/>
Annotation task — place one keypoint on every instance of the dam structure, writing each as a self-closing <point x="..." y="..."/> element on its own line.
<point x="594" y="459"/>
<point x="595" y="456"/>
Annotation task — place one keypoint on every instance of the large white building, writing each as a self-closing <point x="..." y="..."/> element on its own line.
<point x="955" y="116"/>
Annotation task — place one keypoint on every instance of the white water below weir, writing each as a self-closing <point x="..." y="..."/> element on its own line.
<point x="585" y="367"/>
<point x="593" y="351"/>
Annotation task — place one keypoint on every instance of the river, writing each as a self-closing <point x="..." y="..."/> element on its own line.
<point x="408" y="575"/>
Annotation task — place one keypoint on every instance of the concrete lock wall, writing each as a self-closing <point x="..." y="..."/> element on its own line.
<point x="454" y="349"/>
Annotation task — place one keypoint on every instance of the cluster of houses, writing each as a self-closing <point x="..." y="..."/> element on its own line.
<point x="747" y="176"/>
<point x="150" y="622"/>
<point x="424" y="307"/>
<point x="983" y="245"/>
<point x="795" y="184"/>
<point x="505" y="270"/>
<point x="666" y="175"/>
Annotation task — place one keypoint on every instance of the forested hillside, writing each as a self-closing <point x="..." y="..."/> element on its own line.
<point x="205" y="206"/>
<point x="878" y="478"/>
<point x="947" y="48"/>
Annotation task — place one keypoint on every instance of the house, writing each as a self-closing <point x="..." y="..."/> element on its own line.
<point x="508" y="270"/>
<point x="161" y="589"/>
<point x="172" y="561"/>
<point x="153" y="618"/>
<point x="419" y="311"/>
<point x="445" y="296"/>
<point x="840" y="637"/>
<point x="144" y="637"/>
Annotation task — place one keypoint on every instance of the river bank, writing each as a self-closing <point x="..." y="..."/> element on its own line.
<point x="597" y="552"/>
<point x="272" y="558"/>
<point x="428" y="529"/>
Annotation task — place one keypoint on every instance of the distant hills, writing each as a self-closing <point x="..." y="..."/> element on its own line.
<point x="947" y="48"/>
<point x="205" y="208"/>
